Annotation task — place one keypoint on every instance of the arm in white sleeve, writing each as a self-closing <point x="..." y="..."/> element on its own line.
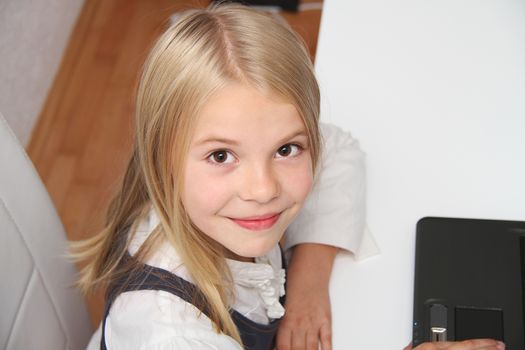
<point x="166" y="343"/>
<point x="334" y="213"/>
<point x="156" y="319"/>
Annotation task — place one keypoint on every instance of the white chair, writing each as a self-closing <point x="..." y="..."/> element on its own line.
<point x="39" y="307"/>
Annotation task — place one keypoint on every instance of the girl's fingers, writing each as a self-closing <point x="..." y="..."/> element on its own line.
<point x="325" y="336"/>
<point x="298" y="340"/>
<point x="476" y="344"/>
<point x="284" y="339"/>
<point x="312" y="341"/>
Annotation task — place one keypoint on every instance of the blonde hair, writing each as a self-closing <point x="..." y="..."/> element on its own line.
<point x="197" y="56"/>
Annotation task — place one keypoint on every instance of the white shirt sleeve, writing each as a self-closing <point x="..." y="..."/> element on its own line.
<point x="149" y="319"/>
<point x="335" y="211"/>
<point x="174" y="343"/>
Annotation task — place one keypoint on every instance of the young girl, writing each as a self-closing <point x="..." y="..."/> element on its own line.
<point x="227" y="145"/>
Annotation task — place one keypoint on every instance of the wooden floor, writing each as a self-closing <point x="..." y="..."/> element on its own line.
<point x="83" y="138"/>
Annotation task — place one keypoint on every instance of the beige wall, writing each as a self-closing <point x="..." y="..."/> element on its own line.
<point x="33" y="37"/>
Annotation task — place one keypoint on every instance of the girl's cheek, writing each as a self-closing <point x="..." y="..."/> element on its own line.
<point x="299" y="181"/>
<point x="208" y="188"/>
<point x="304" y="186"/>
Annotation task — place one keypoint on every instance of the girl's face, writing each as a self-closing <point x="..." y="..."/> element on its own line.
<point x="248" y="170"/>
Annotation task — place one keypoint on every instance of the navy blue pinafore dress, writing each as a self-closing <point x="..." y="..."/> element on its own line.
<point x="255" y="336"/>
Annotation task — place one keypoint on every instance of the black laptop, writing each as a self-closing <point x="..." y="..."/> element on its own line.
<point x="470" y="281"/>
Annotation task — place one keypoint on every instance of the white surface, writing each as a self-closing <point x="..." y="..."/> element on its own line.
<point x="40" y="308"/>
<point x="435" y="93"/>
<point x="33" y="36"/>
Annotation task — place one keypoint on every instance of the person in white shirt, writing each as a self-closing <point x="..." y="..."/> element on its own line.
<point x="227" y="148"/>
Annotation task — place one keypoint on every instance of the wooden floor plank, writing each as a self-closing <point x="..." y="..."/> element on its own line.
<point x="60" y="178"/>
<point x="40" y="143"/>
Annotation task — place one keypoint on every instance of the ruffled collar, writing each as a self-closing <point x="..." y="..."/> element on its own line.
<point x="266" y="279"/>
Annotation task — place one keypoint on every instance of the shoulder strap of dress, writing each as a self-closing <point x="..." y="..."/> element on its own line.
<point x="147" y="277"/>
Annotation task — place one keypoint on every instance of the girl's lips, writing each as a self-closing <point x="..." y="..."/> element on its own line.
<point x="258" y="223"/>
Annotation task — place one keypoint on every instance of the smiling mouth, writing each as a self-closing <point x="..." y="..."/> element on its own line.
<point x="257" y="223"/>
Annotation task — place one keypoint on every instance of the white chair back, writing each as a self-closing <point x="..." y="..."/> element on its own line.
<point x="40" y="308"/>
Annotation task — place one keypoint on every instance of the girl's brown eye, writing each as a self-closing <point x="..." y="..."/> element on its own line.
<point x="221" y="157"/>
<point x="288" y="150"/>
<point x="285" y="150"/>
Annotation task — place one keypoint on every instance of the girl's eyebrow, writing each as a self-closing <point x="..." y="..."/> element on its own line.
<point x="217" y="139"/>
<point x="298" y="133"/>
<point x="213" y="139"/>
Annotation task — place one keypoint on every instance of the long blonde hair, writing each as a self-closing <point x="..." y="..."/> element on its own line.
<point x="202" y="52"/>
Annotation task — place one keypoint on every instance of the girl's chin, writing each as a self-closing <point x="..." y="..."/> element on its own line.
<point x="240" y="258"/>
<point x="250" y="255"/>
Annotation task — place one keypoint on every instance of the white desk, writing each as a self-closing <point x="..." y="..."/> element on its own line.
<point x="435" y="92"/>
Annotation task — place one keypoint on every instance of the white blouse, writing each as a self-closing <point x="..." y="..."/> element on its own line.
<point x="160" y="320"/>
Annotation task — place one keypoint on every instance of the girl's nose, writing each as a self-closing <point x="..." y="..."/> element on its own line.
<point x="259" y="184"/>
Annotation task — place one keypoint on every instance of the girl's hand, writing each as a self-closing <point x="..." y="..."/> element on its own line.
<point x="475" y="344"/>
<point x="308" y="319"/>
